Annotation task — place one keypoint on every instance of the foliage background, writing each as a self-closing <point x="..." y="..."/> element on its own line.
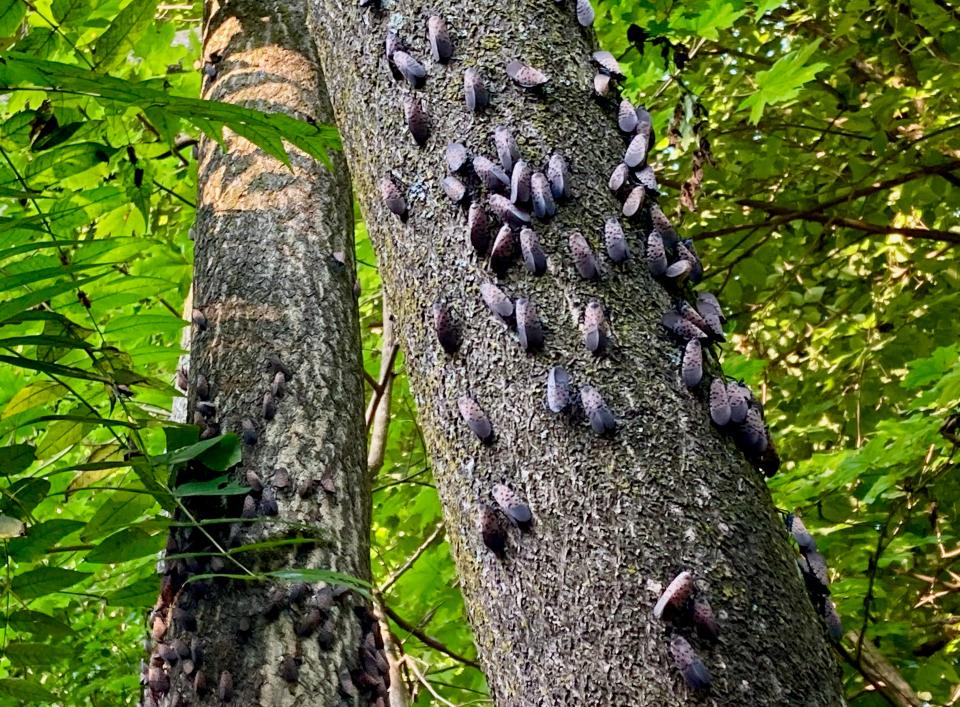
<point x="809" y="148"/>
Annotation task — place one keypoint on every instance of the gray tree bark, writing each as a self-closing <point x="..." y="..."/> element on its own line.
<point x="566" y="618"/>
<point x="274" y="279"/>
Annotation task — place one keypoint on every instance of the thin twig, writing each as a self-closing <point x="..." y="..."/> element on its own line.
<point x="378" y="391"/>
<point x="424" y="546"/>
<point x="425" y="639"/>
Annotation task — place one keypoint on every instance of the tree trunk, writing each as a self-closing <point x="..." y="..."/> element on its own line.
<point x="274" y="280"/>
<point x="566" y="617"/>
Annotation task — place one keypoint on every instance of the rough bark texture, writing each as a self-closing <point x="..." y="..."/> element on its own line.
<point x="566" y="618"/>
<point x="274" y="277"/>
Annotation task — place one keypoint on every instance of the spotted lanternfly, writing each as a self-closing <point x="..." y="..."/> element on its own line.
<point x="512" y="506"/>
<point x="281" y="479"/>
<point x="707" y="302"/>
<point x="417" y="122"/>
<point x="225" y="686"/>
<point x="520" y="183"/>
<point x="737" y="401"/>
<point x="692" y="363"/>
<point x="647" y="178"/>
<point x="456" y="156"/>
<point x="620" y="178"/>
<point x="690" y="314"/>
<point x="440" y="45"/>
<point x="254" y="481"/>
<point x="679" y="271"/>
<point x="477" y="229"/>
<point x="507" y="149"/>
<point x="626" y="116"/>
<point x="634" y="201"/>
<point x="497" y="301"/>
<point x="393" y="197"/>
<point x="719" y="404"/>
<point x="585" y="13"/>
<point x="157" y="679"/>
<point x="541" y="196"/>
<point x="645" y="125"/>
<point x="558" y="174"/>
<point x="703" y="619"/>
<point x="799" y="531"/>
<point x="662" y="224"/>
<point x="248" y="432"/>
<point x="268" y="503"/>
<point x="503" y="251"/>
<point x="206" y="409"/>
<point x="476" y="418"/>
<point x="636" y="153"/>
<point x="832" y="619"/>
<point x="583" y="257"/>
<point x="529" y="328"/>
<point x="594" y="337"/>
<point x="279" y="385"/>
<point x="474" y="92"/>
<point x="249" y="507"/>
<point x="454" y="189"/>
<point x="769" y="462"/>
<point x="289" y="669"/>
<point x="448" y="333"/>
<point x="533" y="255"/>
<point x="202" y="388"/>
<point x="602" y="84"/>
<point x="183" y="382"/>
<point x="754" y="432"/>
<point x="686" y="254"/>
<point x="199" y="320"/>
<point x="269" y="406"/>
<point x="391" y="44"/>
<point x="682" y="328"/>
<point x="559" y="390"/>
<point x="817" y="566"/>
<point x="168" y="653"/>
<point x="411" y="69"/>
<point x="674" y="597"/>
<point x="608" y="64"/>
<point x="492" y="529"/>
<point x="601" y="419"/>
<point x="508" y="212"/>
<point x="526" y="76"/>
<point x="694" y="672"/>
<point x="492" y="176"/>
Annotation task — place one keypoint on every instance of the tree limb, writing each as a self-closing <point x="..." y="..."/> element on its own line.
<point x="425" y="639"/>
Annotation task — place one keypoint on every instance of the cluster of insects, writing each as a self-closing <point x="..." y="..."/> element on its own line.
<point x="687" y="612"/>
<point x="816" y="577"/>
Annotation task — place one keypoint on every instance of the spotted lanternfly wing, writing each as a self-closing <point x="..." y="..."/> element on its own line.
<point x="615" y="241"/>
<point x="478" y="230"/>
<point x="474" y="92"/>
<point x="754" y="433"/>
<point x="708" y="303"/>
<point x="799" y="531"/>
<point x="269" y="408"/>
<point x="719" y="404"/>
<point x="634" y="201"/>
<point x="248" y="432"/>
<point x="393" y="197"/>
<point x="679" y="271"/>
<point x="503" y="251"/>
<point x="456" y="156"/>
<point x="703" y="619"/>
<point x="225" y="686"/>
<point x="620" y="178"/>
<point x="526" y="76"/>
<point x="507" y="149"/>
<point x="681" y="327"/>
<point x="411" y="69"/>
<point x="492" y="530"/>
<point x="738" y="402"/>
<point x="493" y="178"/>
<point x="674" y="597"/>
<point x="476" y="418"/>
<point x="626" y="115"/>
<point x="608" y="64"/>
<point x="583" y="257"/>
<point x="769" y="462"/>
<point x="448" y="333"/>
<point x="692" y="363"/>
<point x="689" y="313"/>
<point x="684" y="252"/>
<point x="529" y="328"/>
<point x="508" y="212"/>
<point x="520" y="183"/>
<point x="533" y="255"/>
<point x="647" y="178"/>
<point x="454" y="189"/>
<point x="417" y="121"/>
<point x="593" y="334"/>
<point x="601" y="419"/>
<point x="817" y="566"/>
<point x="183" y="382"/>
<point x="558" y="174"/>
<point x="832" y="619"/>
<point x="659" y="219"/>
<point x="249" y="507"/>
<point x="497" y="301"/>
<point x="694" y="672"/>
<point x="391" y="45"/>
<point x="585" y="13"/>
<point x="559" y="390"/>
<point x="636" y="153"/>
<point x="645" y="126"/>
<point x="602" y="84"/>
<point x="440" y="45"/>
<point x="512" y="506"/>
<point x="541" y="196"/>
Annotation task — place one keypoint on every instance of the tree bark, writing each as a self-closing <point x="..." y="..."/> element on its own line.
<point x="566" y="617"/>
<point x="274" y="279"/>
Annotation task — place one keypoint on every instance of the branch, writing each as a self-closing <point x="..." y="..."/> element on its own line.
<point x="380" y="387"/>
<point x="378" y="413"/>
<point x="878" y="671"/>
<point x="391" y="580"/>
<point x="427" y="640"/>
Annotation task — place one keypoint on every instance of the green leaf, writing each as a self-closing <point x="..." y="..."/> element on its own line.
<point x="32" y="655"/>
<point x="38" y="623"/>
<point x="41" y="537"/>
<point x="44" y="580"/>
<point x="121" y="509"/>
<point x="21" y="497"/>
<point x="31" y="396"/>
<point x="53" y="368"/>
<point x="220" y="486"/>
<point x="16" y="458"/>
<point x="141" y="593"/>
<point x="67" y="12"/>
<point x="225" y="455"/>
<point x="313" y="576"/>
<point x="121" y="36"/>
<point x="782" y="82"/>
<point x="12" y="13"/>
<point x="26" y="691"/>
<point x="127" y="544"/>
<point x="15" y="307"/>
